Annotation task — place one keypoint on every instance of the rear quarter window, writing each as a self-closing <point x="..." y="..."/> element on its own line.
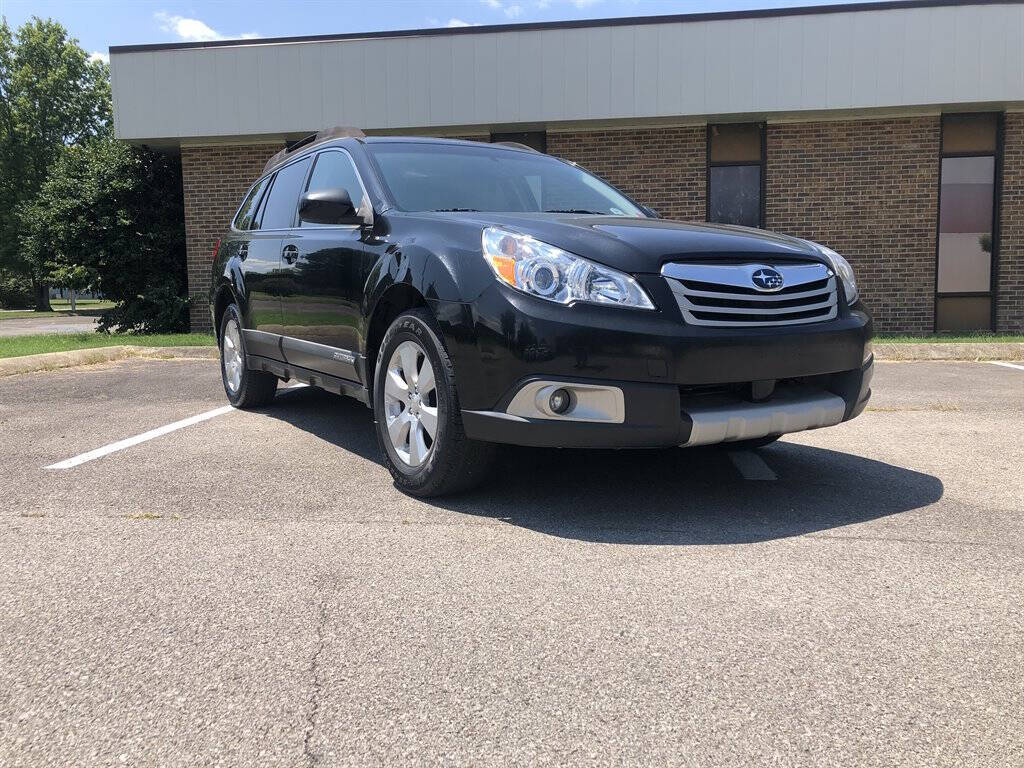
<point x="244" y="217"/>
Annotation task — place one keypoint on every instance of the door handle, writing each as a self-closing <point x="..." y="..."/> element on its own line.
<point x="290" y="254"/>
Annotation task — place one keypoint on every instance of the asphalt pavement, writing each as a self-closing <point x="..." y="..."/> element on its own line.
<point x="28" y="325"/>
<point x="251" y="590"/>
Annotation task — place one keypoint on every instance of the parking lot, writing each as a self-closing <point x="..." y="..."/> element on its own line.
<point x="251" y="590"/>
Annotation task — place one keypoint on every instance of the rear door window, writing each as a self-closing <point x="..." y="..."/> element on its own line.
<point x="246" y="214"/>
<point x="283" y="200"/>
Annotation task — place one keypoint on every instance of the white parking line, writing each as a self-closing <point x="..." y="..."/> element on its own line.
<point x="752" y="466"/>
<point x="120" y="445"/>
<point x="1007" y="365"/>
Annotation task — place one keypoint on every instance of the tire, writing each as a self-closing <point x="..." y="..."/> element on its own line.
<point x="244" y="388"/>
<point x="404" y="412"/>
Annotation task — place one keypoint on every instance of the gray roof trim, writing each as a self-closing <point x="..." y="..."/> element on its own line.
<point x="810" y="10"/>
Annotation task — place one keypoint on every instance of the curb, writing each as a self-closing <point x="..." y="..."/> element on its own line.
<point x="50" y="361"/>
<point x="963" y="351"/>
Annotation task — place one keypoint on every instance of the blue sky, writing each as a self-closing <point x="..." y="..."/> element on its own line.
<point x="101" y="23"/>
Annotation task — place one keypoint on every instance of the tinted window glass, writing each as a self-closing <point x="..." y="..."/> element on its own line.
<point x="965" y="224"/>
<point x="432" y="177"/>
<point x="279" y="211"/>
<point x="735" y="195"/>
<point x="736" y="143"/>
<point x="245" y="214"/>
<point x="969" y="133"/>
<point x="334" y="170"/>
<point x="963" y="313"/>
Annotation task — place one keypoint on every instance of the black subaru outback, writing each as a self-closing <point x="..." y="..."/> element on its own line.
<point x="474" y="294"/>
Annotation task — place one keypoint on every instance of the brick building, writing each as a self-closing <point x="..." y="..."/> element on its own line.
<point x="892" y="132"/>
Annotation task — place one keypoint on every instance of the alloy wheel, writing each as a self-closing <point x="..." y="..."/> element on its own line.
<point x="231" y="350"/>
<point x="410" y="403"/>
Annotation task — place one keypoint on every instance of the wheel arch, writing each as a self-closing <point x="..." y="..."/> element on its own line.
<point x="399" y="298"/>
<point x="224" y="297"/>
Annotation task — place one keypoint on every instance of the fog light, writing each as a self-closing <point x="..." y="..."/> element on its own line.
<point x="560" y="401"/>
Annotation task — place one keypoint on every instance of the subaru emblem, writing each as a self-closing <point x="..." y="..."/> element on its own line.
<point x="766" y="279"/>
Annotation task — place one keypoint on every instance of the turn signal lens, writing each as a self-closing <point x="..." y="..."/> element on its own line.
<point x="550" y="273"/>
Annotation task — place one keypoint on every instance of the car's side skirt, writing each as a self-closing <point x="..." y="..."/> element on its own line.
<point x="263" y="344"/>
<point x="289" y="371"/>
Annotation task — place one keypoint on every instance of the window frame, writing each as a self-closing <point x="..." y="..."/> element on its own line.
<point x="997" y="188"/>
<point x="762" y="164"/>
<point x="309" y="178"/>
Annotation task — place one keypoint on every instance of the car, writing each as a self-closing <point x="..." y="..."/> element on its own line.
<point x="476" y="294"/>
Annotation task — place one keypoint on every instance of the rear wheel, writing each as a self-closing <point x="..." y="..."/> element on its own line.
<point x="417" y="414"/>
<point x="244" y="388"/>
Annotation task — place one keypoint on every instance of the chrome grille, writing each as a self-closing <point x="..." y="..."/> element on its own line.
<point x="725" y="294"/>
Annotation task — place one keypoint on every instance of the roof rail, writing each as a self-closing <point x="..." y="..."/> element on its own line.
<point x="327" y="134"/>
<point x="515" y="145"/>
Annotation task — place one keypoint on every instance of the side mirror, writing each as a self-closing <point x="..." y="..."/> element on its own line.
<point x="329" y="206"/>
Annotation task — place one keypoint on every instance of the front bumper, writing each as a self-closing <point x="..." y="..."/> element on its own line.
<point x="681" y="384"/>
<point x="661" y="415"/>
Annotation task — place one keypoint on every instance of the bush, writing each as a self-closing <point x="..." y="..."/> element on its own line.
<point x="159" y="310"/>
<point x="15" y="292"/>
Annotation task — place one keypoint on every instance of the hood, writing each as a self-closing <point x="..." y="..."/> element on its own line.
<point x="644" y="245"/>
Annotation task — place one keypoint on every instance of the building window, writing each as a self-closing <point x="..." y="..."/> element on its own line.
<point x="736" y="174"/>
<point x="967" y="244"/>
<point x="534" y="139"/>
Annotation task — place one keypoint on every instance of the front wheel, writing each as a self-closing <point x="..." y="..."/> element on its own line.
<point x="417" y="414"/>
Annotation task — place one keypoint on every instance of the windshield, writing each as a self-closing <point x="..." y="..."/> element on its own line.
<point x="455" y="177"/>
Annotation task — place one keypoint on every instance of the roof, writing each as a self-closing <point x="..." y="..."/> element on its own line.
<point x="574" y="24"/>
<point x="800" y="63"/>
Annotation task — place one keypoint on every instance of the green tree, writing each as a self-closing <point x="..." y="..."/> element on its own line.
<point x="51" y="97"/>
<point x="73" y="278"/>
<point x="116" y="211"/>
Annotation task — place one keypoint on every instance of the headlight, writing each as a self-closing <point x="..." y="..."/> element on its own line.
<point x="843" y="269"/>
<point x="550" y="273"/>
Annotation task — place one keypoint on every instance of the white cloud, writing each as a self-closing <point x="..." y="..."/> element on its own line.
<point x="99" y="56"/>
<point x="458" y="23"/>
<point x="580" y="4"/>
<point x="512" y="10"/>
<point x="193" y="30"/>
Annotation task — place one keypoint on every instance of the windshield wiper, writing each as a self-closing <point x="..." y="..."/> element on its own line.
<point x="454" y="210"/>
<point x="573" y="210"/>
